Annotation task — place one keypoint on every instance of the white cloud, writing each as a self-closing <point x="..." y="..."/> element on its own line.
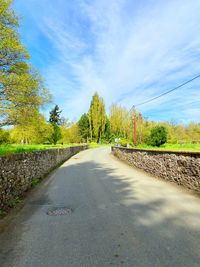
<point x="125" y="50"/>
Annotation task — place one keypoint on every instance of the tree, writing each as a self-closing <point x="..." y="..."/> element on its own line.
<point x="193" y="131"/>
<point x="119" y="120"/>
<point x="65" y="122"/>
<point x="54" y="120"/>
<point x="55" y="115"/>
<point x="4" y="136"/>
<point x="84" y="127"/>
<point x="12" y="53"/>
<point x="35" y="131"/>
<point x="56" y="135"/>
<point x="158" y="136"/>
<point x="107" y="133"/>
<point x="71" y="134"/>
<point x="21" y="86"/>
<point x="97" y="117"/>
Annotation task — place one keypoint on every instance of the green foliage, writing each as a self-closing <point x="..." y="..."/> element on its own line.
<point x="124" y="142"/>
<point x="120" y="121"/>
<point x="158" y="136"/>
<point x="97" y="117"/>
<point x="71" y="134"/>
<point x="34" y="182"/>
<point x="84" y="127"/>
<point x="4" y="136"/>
<point x="55" y="115"/>
<point x="22" y="92"/>
<point x="13" y="202"/>
<point x="11" y="49"/>
<point x="54" y="119"/>
<point x="107" y="135"/>
<point x="56" y="135"/>
<point x="35" y="131"/>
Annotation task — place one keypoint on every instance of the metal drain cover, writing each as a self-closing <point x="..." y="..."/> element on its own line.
<point x="59" y="211"/>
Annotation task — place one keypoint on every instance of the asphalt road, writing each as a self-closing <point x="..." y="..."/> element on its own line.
<point x="119" y="216"/>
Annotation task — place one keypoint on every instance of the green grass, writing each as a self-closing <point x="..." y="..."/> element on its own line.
<point x="13" y="203"/>
<point x="95" y="145"/>
<point x="16" y="148"/>
<point x="176" y="147"/>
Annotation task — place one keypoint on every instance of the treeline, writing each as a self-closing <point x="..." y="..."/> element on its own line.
<point x="96" y="126"/>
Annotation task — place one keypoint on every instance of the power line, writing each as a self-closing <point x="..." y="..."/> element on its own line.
<point x="179" y="106"/>
<point x="177" y="87"/>
<point x="193" y="102"/>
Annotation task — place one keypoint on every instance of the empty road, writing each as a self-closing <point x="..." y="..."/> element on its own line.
<point x="115" y="216"/>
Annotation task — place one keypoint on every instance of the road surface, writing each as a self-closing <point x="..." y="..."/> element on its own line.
<point x="116" y="216"/>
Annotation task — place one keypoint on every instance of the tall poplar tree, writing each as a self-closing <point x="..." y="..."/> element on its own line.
<point x="97" y="117"/>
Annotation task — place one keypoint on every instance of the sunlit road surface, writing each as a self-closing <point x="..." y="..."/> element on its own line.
<point x="97" y="211"/>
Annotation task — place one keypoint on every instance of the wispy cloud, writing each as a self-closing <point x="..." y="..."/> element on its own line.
<point x="125" y="50"/>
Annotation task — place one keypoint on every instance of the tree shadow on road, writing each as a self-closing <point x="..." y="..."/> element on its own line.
<point x="138" y="220"/>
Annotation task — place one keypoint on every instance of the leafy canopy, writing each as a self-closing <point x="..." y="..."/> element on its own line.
<point x="21" y="87"/>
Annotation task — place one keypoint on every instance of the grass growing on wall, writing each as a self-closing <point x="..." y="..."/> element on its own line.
<point x="16" y="148"/>
<point x="176" y="147"/>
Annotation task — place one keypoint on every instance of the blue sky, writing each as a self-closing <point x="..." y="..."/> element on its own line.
<point x="127" y="50"/>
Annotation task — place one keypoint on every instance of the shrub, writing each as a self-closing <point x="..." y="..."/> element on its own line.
<point x="158" y="136"/>
<point x="4" y="136"/>
<point x="124" y="142"/>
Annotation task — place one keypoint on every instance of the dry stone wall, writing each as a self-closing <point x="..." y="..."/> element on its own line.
<point x="17" y="171"/>
<point x="182" y="168"/>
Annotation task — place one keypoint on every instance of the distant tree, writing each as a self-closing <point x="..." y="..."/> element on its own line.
<point x="54" y="120"/>
<point x="55" y="115"/>
<point x="193" y="131"/>
<point x="65" y="122"/>
<point x="107" y="133"/>
<point x="71" y="134"/>
<point x="158" y="136"/>
<point x="84" y="127"/>
<point x="56" y="135"/>
<point x="97" y="117"/>
<point x="119" y="120"/>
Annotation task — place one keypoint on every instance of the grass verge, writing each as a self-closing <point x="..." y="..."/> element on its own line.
<point x="16" y="148"/>
<point x="176" y="147"/>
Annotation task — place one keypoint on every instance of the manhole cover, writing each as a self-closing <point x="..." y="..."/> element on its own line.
<point x="59" y="211"/>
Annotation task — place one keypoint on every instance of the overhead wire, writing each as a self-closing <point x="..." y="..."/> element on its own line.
<point x="165" y="93"/>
